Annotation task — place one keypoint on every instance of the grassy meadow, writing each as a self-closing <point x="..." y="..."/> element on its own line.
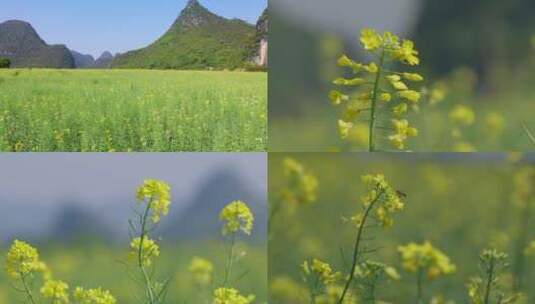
<point x="461" y="203"/>
<point x="94" y="264"/>
<point x="132" y="110"/>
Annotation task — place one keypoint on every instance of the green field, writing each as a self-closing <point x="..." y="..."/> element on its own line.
<point x="98" y="265"/>
<point x="132" y="110"/>
<point x="462" y="203"/>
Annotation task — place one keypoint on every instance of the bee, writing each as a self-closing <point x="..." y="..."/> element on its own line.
<point x="401" y="194"/>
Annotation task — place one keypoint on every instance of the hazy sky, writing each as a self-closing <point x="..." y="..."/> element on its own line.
<point x="35" y="186"/>
<point x="94" y="26"/>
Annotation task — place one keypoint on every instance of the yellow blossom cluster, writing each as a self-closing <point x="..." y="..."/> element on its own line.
<point x="157" y="195"/>
<point x="231" y="296"/>
<point x="201" y="270"/>
<point x="55" y="291"/>
<point x="383" y="200"/>
<point x="373" y="270"/>
<point x="379" y="87"/>
<point x="424" y="257"/>
<point x="301" y="185"/>
<point x="322" y="270"/>
<point x="147" y="248"/>
<point x="22" y="259"/>
<point x="93" y="296"/>
<point x="332" y="295"/>
<point x="461" y="116"/>
<point x="236" y="216"/>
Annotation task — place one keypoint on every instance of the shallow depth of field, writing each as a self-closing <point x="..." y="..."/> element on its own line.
<point x="461" y="203"/>
<point x="479" y="56"/>
<point x="132" y="110"/>
<point x="85" y="215"/>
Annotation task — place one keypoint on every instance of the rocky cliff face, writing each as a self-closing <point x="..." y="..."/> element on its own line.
<point x="21" y="44"/>
<point x="261" y="55"/>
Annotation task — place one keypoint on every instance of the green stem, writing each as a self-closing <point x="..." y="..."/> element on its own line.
<point x="146" y="277"/>
<point x="490" y="278"/>
<point x="419" y="287"/>
<point x="230" y="260"/>
<point x="27" y="289"/>
<point x="373" y="115"/>
<point x="521" y="243"/>
<point x="356" y="248"/>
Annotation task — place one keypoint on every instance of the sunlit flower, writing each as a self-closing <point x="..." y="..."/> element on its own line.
<point x="322" y="270"/>
<point x="301" y="185"/>
<point x="22" y="259"/>
<point x="156" y="194"/>
<point x="56" y="291"/>
<point x="147" y="250"/>
<point x="201" y="270"/>
<point x="93" y="296"/>
<point x="236" y="216"/>
<point x="425" y="257"/>
<point x="402" y="131"/>
<point x="231" y="296"/>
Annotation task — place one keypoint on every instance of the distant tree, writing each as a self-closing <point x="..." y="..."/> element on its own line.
<point x="5" y="63"/>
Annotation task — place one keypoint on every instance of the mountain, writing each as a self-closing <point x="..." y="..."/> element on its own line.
<point x="201" y="218"/>
<point x="82" y="61"/>
<point x="260" y="56"/>
<point x="198" y="39"/>
<point x="104" y="61"/>
<point x="21" y="44"/>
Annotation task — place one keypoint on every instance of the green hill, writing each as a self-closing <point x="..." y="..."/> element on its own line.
<point x="198" y="39"/>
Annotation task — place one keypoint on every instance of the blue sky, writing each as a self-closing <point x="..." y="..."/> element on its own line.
<point x="117" y="26"/>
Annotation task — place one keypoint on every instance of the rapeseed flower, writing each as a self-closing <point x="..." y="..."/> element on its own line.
<point x="425" y="257"/>
<point x="22" y="259"/>
<point x="231" y="296"/>
<point x="149" y="250"/>
<point x="55" y="291"/>
<point x="201" y="270"/>
<point x="385" y="199"/>
<point x="462" y="115"/>
<point x="369" y="77"/>
<point x="402" y="131"/>
<point x="332" y="295"/>
<point x="301" y="185"/>
<point x="157" y="195"/>
<point x="236" y="216"/>
<point x="322" y="270"/>
<point x="93" y="296"/>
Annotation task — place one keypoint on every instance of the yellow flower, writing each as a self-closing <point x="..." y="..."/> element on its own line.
<point x="343" y="128"/>
<point x="407" y="54"/>
<point x="349" y="82"/>
<point x="402" y="132"/>
<point x="236" y="216"/>
<point x="158" y="197"/>
<point x="231" y="296"/>
<point x="332" y="295"/>
<point x="410" y="95"/>
<point x="149" y="250"/>
<point x="22" y="259"/>
<point x="386" y="97"/>
<point x="400" y="109"/>
<point x="301" y="184"/>
<point x="494" y="122"/>
<point x="530" y="249"/>
<point x="386" y="198"/>
<point x="202" y="270"/>
<point x="344" y="61"/>
<point x="462" y="115"/>
<point x="371" y="270"/>
<point x="336" y="97"/>
<point x="56" y="291"/>
<point x="93" y="296"/>
<point x="370" y="39"/>
<point x="371" y="68"/>
<point x="413" y="77"/>
<point x="322" y="270"/>
<point x="425" y="257"/>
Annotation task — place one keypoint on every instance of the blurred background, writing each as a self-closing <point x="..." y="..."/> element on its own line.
<point x="75" y="208"/>
<point x="461" y="202"/>
<point x="480" y="53"/>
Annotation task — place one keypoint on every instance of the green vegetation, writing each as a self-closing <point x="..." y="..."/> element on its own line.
<point x="198" y="39"/>
<point x="5" y="63"/>
<point x="132" y="110"/>
<point x="434" y="229"/>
